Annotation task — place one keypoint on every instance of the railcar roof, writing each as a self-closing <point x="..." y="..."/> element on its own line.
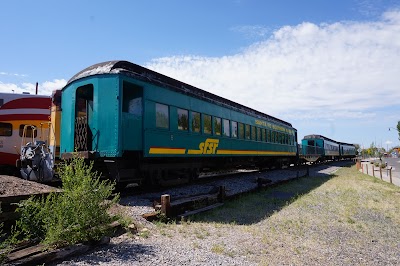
<point x="316" y="136"/>
<point x="142" y="73"/>
<point x="344" y="143"/>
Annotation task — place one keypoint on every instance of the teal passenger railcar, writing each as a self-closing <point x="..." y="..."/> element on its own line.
<point x="326" y="149"/>
<point x="141" y="126"/>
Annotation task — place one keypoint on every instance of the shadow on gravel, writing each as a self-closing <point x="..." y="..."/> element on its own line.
<point x="253" y="208"/>
<point x="112" y="253"/>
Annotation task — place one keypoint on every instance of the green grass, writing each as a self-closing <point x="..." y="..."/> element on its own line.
<point x="346" y="218"/>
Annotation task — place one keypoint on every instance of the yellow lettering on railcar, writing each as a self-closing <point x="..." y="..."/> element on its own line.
<point x="207" y="147"/>
<point x="270" y="125"/>
<point x="260" y="123"/>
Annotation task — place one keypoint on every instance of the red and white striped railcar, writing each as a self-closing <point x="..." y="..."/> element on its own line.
<point x="16" y="111"/>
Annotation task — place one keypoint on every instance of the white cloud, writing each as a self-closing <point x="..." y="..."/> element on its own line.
<point x="45" y="88"/>
<point x="12" y="74"/>
<point x="252" y="31"/>
<point x="343" y="69"/>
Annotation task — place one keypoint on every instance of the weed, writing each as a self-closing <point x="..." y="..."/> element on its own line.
<point x="77" y="214"/>
<point x="196" y="245"/>
<point x="145" y="233"/>
<point x="350" y="220"/>
<point x="218" y="249"/>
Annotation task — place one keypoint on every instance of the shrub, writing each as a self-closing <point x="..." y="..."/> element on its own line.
<point x="77" y="214"/>
<point x="4" y="245"/>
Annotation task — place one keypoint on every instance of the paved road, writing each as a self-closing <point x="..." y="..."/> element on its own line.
<point x="395" y="163"/>
<point x="392" y="162"/>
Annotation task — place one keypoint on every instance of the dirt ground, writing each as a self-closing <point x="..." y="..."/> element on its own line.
<point x="12" y="186"/>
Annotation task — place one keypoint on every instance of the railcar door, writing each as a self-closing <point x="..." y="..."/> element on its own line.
<point x="83" y="118"/>
<point x="132" y="113"/>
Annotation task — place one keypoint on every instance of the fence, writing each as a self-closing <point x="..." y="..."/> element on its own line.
<point x="366" y="166"/>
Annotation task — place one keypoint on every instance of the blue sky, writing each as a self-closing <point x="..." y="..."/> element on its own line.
<point x="327" y="67"/>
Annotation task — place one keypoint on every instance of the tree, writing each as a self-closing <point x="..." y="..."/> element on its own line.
<point x="357" y="146"/>
<point x="398" y="128"/>
<point x="372" y="150"/>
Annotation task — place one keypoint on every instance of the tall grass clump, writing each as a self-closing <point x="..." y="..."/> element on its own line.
<point x="3" y="244"/>
<point x="77" y="214"/>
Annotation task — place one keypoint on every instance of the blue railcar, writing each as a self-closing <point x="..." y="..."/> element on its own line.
<point x="141" y="126"/>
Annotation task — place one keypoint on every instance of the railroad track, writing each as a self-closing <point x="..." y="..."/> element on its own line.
<point x="207" y="192"/>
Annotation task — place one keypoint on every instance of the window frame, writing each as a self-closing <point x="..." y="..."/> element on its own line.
<point x="258" y="133"/>
<point x="204" y="118"/>
<point x="192" y="113"/>
<point x="241" y="130"/>
<point x="217" y="131"/>
<point x="223" y="125"/>
<point x="264" y="135"/>
<point x="253" y="133"/>
<point x="5" y="131"/>
<point x="168" y="120"/>
<point x="28" y="132"/>
<point x="179" y="112"/>
<point x="247" y="132"/>
<point x="236" y="135"/>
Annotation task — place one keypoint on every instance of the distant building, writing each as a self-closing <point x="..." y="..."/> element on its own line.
<point x="396" y="151"/>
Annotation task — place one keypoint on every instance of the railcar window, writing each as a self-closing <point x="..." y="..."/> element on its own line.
<point x="263" y="135"/>
<point x="234" y="129"/>
<point x="5" y="129"/>
<point x="253" y="132"/>
<point x="259" y="134"/>
<point x="1" y="102"/>
<point x="247" y="131"/>
<point x="196" y="122"/>
<point x="207" y="124"/>
<point x="29" y="132"/>
<point x="131" y="99"/>
<point x="217" y="126"/>
<point x="162" y="116"/>
<point x="183" y="117"/>
<point x="268" y="135"/>
<point x="273" y="138"/>
<point x="241" y="131"/>
<point x="226" y="131"/>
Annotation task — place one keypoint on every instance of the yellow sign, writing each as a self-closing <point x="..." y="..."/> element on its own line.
<point x="207" y="147"/>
